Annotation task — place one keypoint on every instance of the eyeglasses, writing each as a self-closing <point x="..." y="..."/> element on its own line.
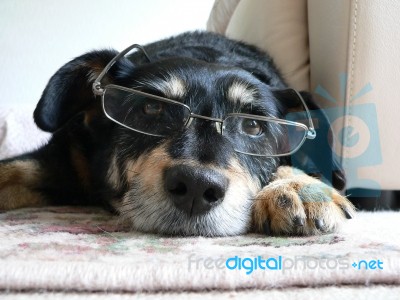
<point x="161" y="117"/>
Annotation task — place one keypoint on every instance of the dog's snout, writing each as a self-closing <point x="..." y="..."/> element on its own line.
<point x="195" y="190"/>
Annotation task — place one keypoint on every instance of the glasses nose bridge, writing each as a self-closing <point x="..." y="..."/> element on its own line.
<point x="218" y="122"/>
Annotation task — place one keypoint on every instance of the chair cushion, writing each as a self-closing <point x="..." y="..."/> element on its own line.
<point x="276" y="26"/>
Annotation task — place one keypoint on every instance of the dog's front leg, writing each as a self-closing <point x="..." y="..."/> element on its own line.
<point x="297" y="204"/>
<point x="18" y="181"/>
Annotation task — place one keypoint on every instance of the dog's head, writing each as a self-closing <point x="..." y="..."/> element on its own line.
<point x="170" y="167"/>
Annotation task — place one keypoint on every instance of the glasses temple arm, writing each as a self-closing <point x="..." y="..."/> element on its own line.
<point x="96" y="87"/>
<point x="311" y="133"/>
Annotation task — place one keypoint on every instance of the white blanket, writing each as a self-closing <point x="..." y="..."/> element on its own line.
<point x="18" y="132"/>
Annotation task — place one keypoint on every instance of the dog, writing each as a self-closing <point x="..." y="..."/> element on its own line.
<point x="185" y="136"/>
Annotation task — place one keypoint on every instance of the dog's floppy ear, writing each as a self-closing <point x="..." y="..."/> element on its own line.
<point x="316" y="156"/>
<point x="69" y="90"/>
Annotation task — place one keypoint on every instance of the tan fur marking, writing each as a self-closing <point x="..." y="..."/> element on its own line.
<point x="240" y="92"/>
<point x="150" y="167"/>
<point x="17" y="180"/>
<point x="19" y="196"/>
<point x="171" y="86"/>
<point x="18" y="172"/>
<point x="237" y="174"/>
<point x="175" y="88"/>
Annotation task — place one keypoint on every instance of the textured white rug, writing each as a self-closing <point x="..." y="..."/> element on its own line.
<point x="375" y="292"/>
<point x="67" y="249"/>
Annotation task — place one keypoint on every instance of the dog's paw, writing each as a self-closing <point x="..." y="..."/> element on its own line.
<point x="298" y="204"/>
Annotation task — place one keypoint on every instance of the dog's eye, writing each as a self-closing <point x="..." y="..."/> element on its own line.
<point x="251" y="127"/>
<point x="152" y="108"/>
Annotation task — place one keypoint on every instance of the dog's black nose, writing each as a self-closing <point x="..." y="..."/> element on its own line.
<point x="195" y="190"/>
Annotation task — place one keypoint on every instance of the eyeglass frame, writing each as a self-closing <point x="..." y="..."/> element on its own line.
<point x="98" y="90"/>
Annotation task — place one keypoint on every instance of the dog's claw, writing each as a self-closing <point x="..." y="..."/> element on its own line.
<point x="298" y="221"/>
<point x="319" y="224"/>
<point x="267" y="228"/>
<point x="347" y="213"/>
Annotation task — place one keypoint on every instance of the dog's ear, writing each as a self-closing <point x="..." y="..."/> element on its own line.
<point x="69" y="90"/>
<point x="315" y="156"/>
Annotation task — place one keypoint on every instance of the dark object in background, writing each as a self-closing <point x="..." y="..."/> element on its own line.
<point x="387" y="200"/>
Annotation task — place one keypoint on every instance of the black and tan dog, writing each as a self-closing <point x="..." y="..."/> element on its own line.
<point x="186" y="136"/>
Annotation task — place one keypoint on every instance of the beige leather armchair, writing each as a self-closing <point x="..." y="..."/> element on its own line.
<point x="347" y="53"/>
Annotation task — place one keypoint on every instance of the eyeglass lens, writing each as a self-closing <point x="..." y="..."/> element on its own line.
<point x="144" y="114"/>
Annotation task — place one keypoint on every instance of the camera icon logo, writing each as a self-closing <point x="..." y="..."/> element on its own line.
<point x="355" y="140"/>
